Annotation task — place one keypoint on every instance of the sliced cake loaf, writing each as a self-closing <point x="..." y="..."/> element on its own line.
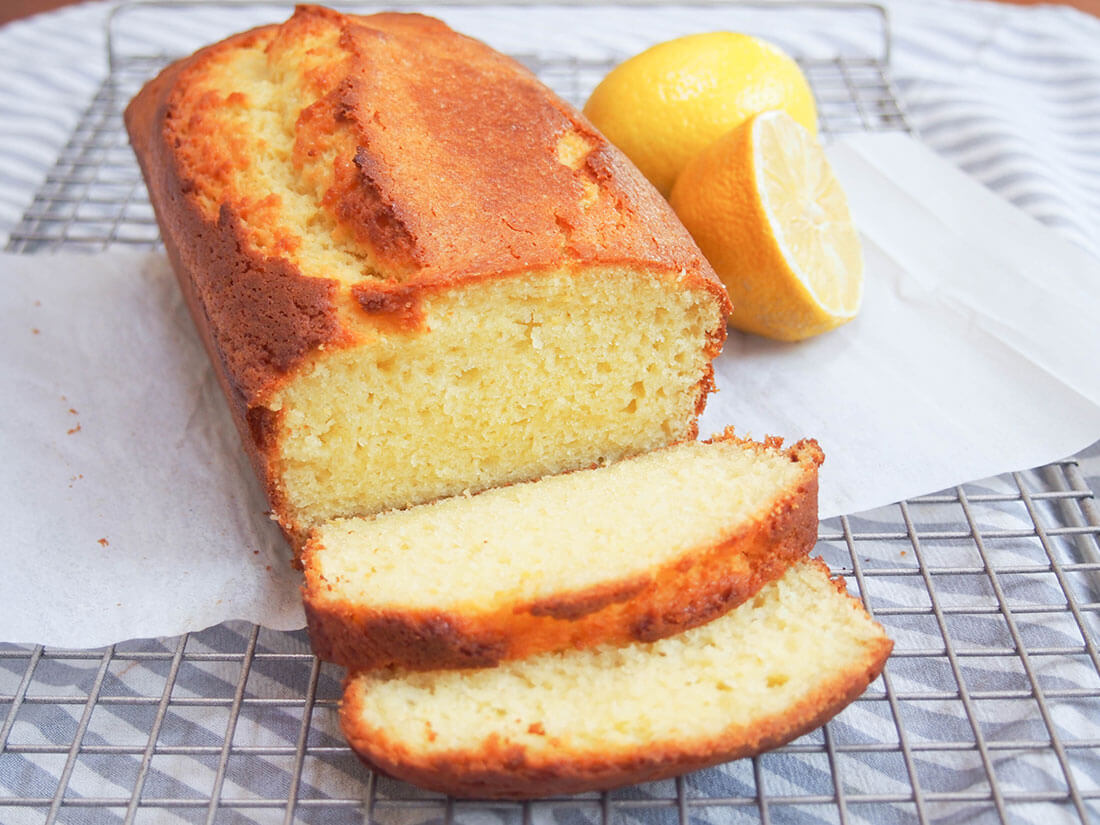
<point x="419" y="274"/>
<point x="778" y="666"/>
<point x="416" y="270"/>
<point x="633" y="551"/>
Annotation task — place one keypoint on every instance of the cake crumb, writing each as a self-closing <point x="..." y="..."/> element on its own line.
<point x="103" y="541"/>
<point x="75" y="429"/>
<point x="35" y="330"/>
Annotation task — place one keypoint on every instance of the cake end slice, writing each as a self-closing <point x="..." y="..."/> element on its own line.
<point x="778" y="666"/>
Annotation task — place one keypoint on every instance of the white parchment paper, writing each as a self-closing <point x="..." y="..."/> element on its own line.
<point x="127" y="506"/>
<point x="977" y="350"/>
<point x="128" y="509"/>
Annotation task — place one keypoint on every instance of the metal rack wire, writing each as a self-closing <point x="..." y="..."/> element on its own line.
<point x="990" y="591"/>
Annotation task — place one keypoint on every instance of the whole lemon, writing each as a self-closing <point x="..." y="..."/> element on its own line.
<point x="664" y="105"/>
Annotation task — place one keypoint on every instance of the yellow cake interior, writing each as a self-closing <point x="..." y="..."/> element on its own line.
<point x="518" y="378"/>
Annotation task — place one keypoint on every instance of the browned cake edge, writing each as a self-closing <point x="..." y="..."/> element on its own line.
<point x="683" y="593"/>
<point x="497" y="771"/>
<point x="219" y="274"/>
<point x="259" y="317"/>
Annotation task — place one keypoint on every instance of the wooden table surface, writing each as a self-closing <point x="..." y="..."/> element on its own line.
<point x="14" y="9"/>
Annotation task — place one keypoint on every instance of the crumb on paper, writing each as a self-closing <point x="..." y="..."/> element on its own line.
<point x="255" y="552"/>
<point x="103" y="541"/>
<point x="72" y="430"/>
<point x="35" y="330"/>
<point x="71" y="410"/>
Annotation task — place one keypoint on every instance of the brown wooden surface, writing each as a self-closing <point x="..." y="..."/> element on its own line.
<point x="14" y="9"/>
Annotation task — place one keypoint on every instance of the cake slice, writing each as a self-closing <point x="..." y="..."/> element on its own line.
<point x="778" y="666"/>
<point x="637" y="550"/>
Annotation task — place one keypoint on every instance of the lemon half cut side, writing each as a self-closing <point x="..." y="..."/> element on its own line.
<point x="766" y="209"/>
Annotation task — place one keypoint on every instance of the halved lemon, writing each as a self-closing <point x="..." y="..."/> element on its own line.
<point x="766" y="209"/>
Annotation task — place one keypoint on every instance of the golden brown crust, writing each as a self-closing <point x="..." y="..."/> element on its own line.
<point x="256" y="315"/>
<point x="447" y="169"/>
<point x="508" y="772"/>
<point x="684" y="593"/>
<point x="452" y="173"/>
<point x="262" y="314"/>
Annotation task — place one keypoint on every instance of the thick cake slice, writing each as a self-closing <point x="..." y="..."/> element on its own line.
<point x="634" y="551"/>
<point x="776" y="667"/>
<point x="416" y="270"/>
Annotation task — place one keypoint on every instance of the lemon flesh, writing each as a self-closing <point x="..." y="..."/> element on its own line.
<point x="766" y="209"/>
<point x="808" y="213"/>
<point x="666" y="104"/>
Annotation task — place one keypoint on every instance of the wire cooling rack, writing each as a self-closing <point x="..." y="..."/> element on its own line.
<point x="989" y="710"/>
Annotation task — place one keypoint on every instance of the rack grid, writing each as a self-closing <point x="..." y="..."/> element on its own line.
<point x="991" y="590"/>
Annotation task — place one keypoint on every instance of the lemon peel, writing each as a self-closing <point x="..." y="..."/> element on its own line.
<point x="666" y="104"/>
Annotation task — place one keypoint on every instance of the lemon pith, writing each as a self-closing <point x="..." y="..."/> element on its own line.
<point x="767" y="211"/>
<point x="664" y="105"/>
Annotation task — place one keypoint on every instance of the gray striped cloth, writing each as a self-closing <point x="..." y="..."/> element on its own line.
<point x="1012" y="95"/>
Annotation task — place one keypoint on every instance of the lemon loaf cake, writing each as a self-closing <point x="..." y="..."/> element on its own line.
<point x="776" y="667"/>
<point x="637" y="550"/>
<point x="416" y="270"/>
